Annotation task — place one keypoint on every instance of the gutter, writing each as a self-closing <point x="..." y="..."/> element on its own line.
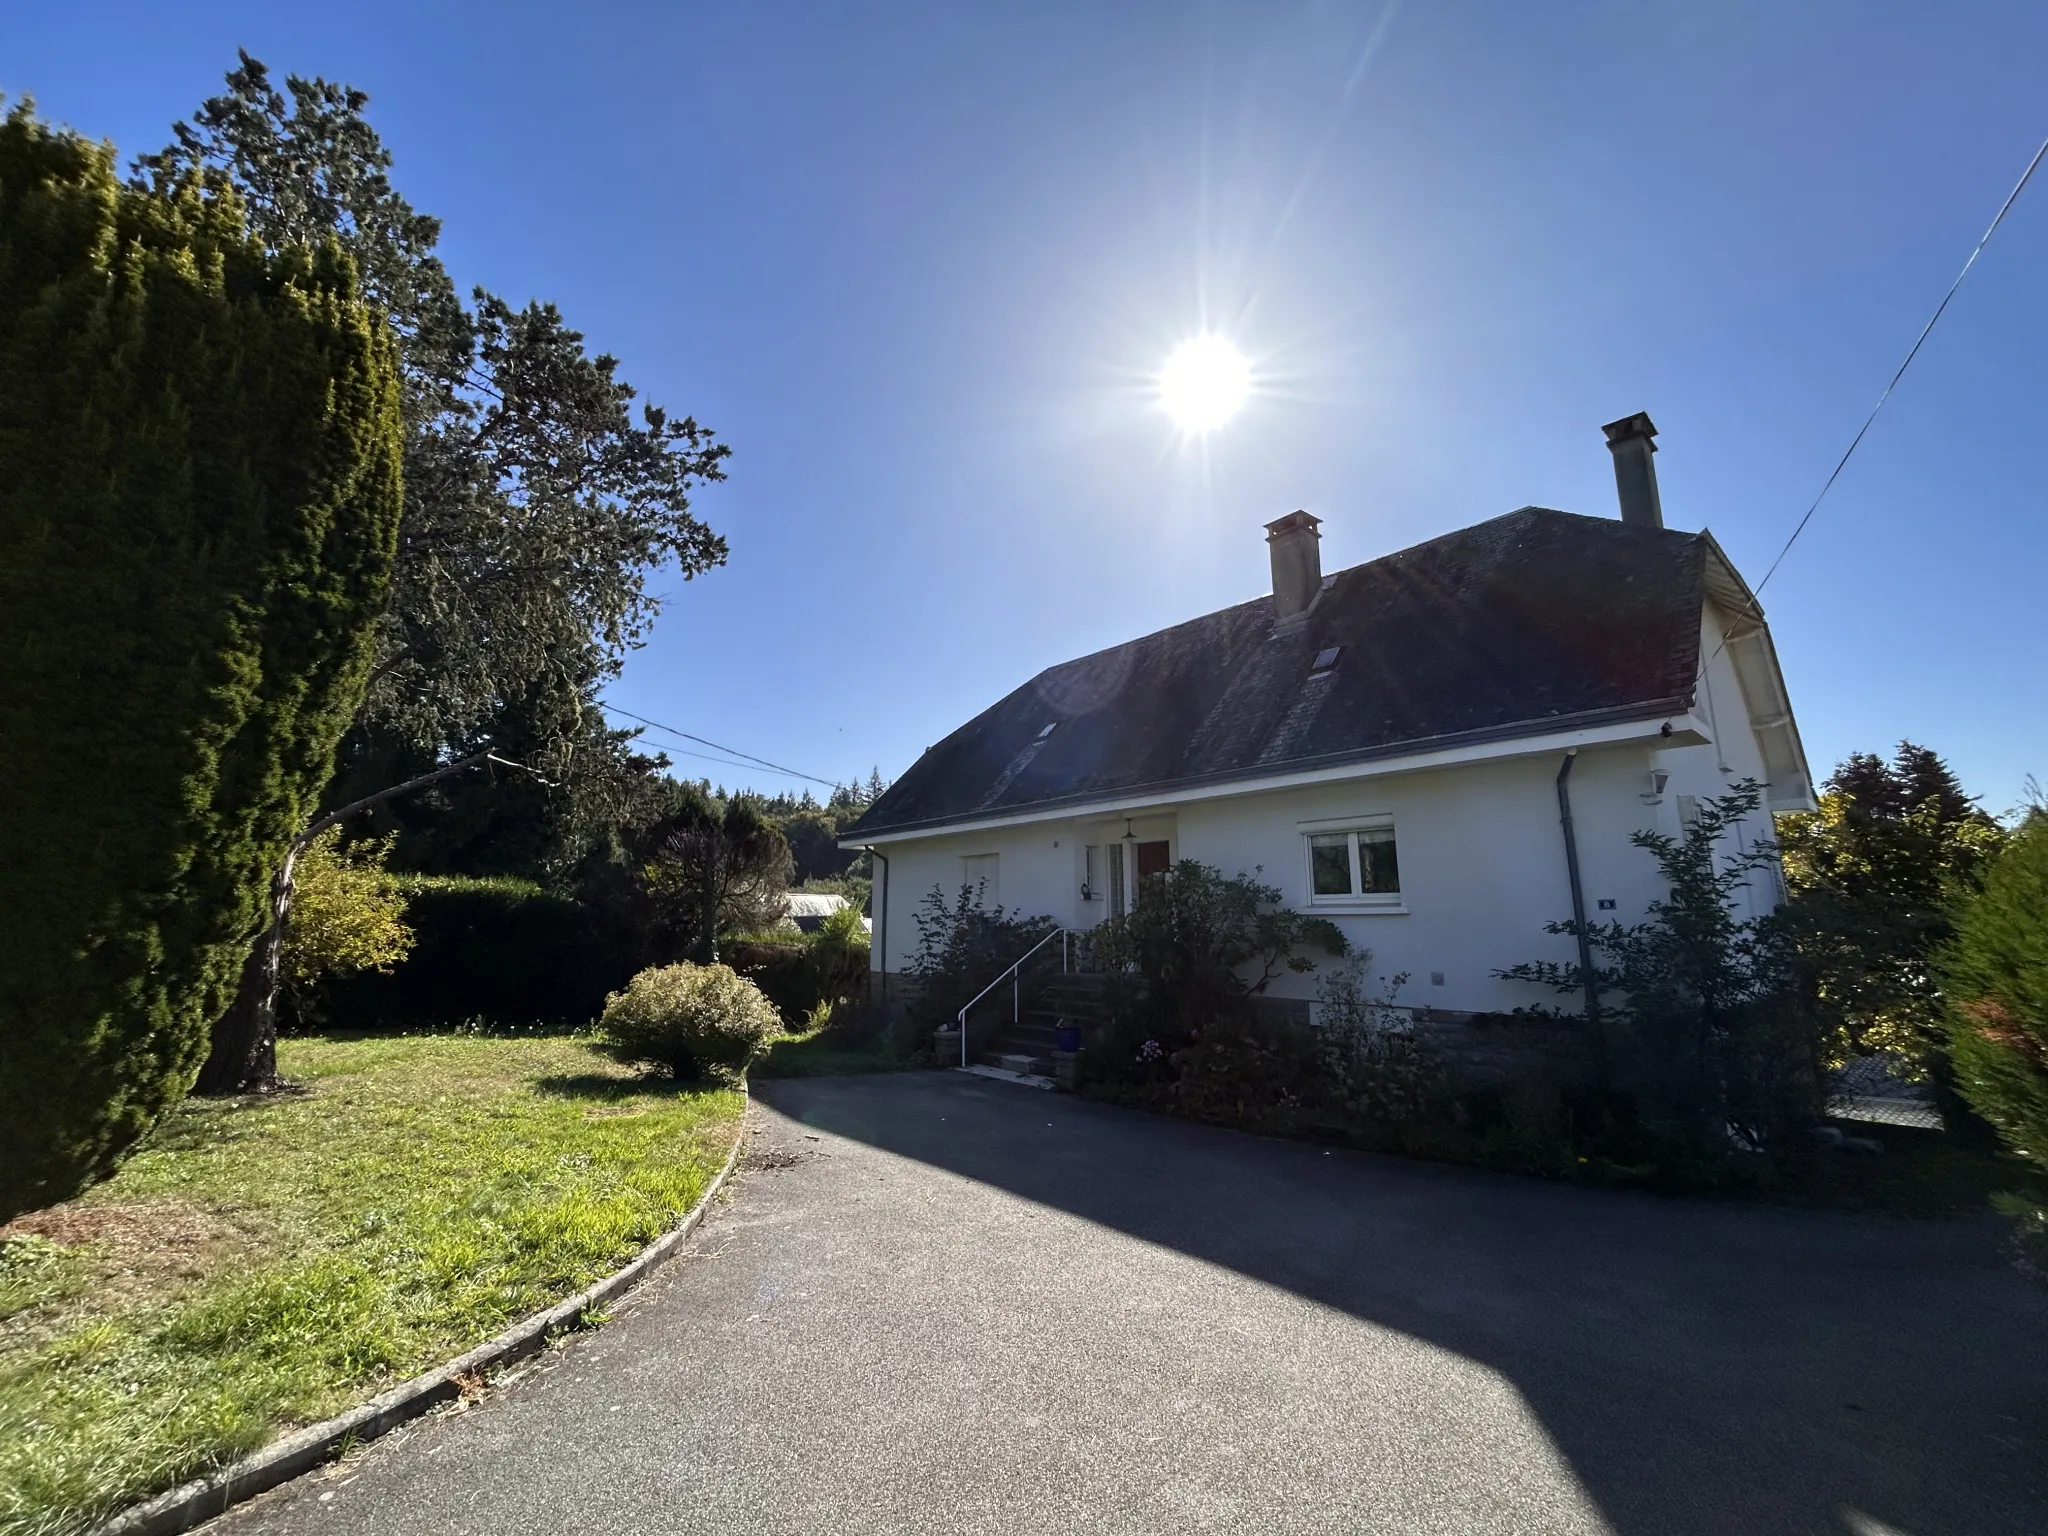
<point x="1571" y="860"/>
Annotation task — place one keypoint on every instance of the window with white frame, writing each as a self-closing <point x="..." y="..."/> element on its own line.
<point x="979" y="873"/>
<point x="1353" y="864"/>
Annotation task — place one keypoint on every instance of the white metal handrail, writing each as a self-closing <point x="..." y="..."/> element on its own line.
<point x="1014" y="976"/>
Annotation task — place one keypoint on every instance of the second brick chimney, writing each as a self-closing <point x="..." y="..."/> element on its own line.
<point x="1293" y="542"/>
<point x="1633" y="440"/>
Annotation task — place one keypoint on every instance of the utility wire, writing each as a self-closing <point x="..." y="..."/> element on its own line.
<point x="1854" y="443"/>
<point x="670" y="749"/>
<point x="2004" y="208"/>
<point x="729" y="751"/>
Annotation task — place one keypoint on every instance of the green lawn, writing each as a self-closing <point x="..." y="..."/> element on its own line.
<point x="261" y="1265"/>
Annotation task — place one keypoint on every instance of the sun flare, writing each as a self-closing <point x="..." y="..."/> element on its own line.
<point x="1205" y="382"/>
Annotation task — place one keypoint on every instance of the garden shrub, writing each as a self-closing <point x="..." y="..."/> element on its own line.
<point x="199" y="502"/>
<point x="1185" y="963"/>
<point x="860" y="1021"/>
<point x="1241" y="1068"/>
<point x="961" y="948"/>
<point x="1875" y="876"/>
<point x="1704" y="1031"/>
<point x="1377" y="1070"/>
<point x="347" y="916"/>
<point x="805" y="973"/>
<point x="495" y="948"/>
<point x="692" y="1020"/>
<point x="841" y="955"/>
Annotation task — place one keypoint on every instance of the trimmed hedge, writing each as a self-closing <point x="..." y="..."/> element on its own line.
<point x="798" y="975"/>
<point x="502" y="949"/>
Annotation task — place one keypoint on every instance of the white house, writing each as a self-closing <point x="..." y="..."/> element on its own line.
<point x="1421" y="747"/>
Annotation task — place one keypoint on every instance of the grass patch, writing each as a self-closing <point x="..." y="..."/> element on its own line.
<point x="263" y="1264"/>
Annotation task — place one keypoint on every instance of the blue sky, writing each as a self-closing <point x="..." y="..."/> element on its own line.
<point x="917" y="264"/>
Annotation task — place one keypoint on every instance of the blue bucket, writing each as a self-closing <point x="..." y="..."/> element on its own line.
<point x="1066" y="1038"/>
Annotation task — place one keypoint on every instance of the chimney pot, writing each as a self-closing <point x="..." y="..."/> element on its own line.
<point x="1293" y="543"/>
<point x="1632" y="441"/>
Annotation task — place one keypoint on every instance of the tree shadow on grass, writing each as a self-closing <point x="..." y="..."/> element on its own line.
<point x="611" y="1088"/>
<point x="1704" y="1367"/>
<point x="826" y="1054"/>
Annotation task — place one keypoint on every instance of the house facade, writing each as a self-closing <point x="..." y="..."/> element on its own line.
<point x="1420" y="748"/>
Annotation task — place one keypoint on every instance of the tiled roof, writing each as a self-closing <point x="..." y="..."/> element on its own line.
<point x="1519" y="625"/>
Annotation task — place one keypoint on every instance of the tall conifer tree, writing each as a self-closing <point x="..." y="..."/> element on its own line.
<point x="199" y="502"/>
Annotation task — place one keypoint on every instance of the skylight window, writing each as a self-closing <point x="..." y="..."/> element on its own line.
<point x="1326" y="658"/>
<point x="1048" y="730"/>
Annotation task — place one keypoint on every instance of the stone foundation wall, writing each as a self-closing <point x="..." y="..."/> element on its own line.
<point x="1499" y="1050"/>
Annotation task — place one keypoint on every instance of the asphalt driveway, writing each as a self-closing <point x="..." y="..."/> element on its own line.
<point x="937" y="1303"/>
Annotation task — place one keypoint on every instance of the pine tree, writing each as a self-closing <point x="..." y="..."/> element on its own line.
<point x="715" y="867"/>
<point x="1874" y="875"/>
<point x="199" y="497"/>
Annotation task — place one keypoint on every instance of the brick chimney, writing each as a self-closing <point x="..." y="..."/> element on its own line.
<point x="1632" y="440"/>
<point x="1297" y="565"/>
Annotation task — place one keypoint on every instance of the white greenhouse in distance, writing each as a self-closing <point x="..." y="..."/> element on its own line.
<point x="1419" y="747"/>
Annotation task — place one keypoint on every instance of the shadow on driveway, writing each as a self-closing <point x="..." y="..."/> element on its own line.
<point x="1704" y="1367"/>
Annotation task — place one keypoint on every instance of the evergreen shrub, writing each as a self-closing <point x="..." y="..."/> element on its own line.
<point x="1996" y="975"/>
<point x="199" y="501"/>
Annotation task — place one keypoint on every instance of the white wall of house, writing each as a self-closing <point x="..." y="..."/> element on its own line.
<point x="1699" y="773"/>
<point x="1480" y="848"/>
<point x="1482" y="865"/>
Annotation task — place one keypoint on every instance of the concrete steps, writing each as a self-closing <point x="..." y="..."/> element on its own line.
<point x="1023" y="1050"/>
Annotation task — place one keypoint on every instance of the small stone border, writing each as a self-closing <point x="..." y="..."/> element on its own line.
<point x="200" y="1500"/>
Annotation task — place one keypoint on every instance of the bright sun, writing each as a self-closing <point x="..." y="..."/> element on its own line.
<point x="1204" y="384"/>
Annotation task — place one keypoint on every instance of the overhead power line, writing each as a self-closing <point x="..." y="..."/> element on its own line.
<point x="730" y="752"/>
<point x="1856" y="442"/>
